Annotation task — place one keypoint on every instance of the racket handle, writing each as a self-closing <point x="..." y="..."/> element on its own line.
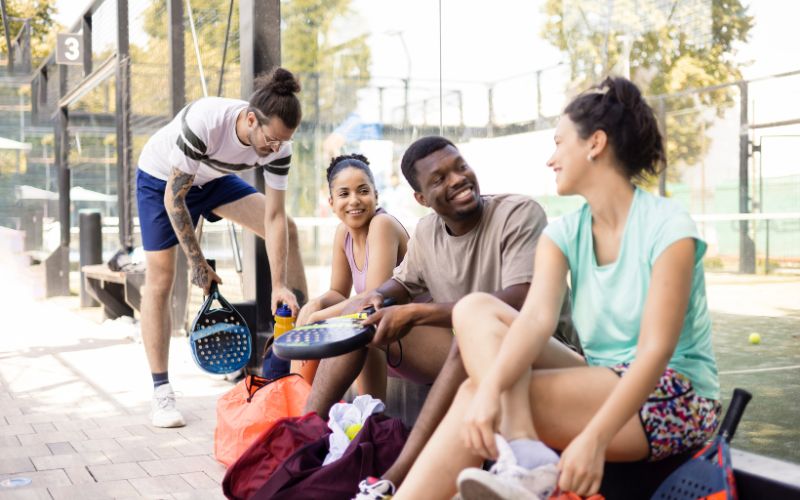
<point x="734" y="413"/>
<point x="386" y="303"/>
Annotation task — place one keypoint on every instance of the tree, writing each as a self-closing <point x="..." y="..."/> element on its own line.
<point x="43" y="27"/>
<point x="662" y="61"/>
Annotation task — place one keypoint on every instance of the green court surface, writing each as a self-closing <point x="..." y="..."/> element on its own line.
<point x="769" y="370"/>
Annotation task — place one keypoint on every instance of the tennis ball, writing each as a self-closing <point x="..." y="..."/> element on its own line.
<point x="352" y="430"/>
<point x="754" y="338"/>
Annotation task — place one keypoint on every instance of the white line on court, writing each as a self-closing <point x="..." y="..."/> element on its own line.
<point x="756" y="370"/>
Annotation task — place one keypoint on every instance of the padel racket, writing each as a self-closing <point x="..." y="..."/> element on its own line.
<point x="327" y="338"/>
<point x="709" y="474"/>
<point x="219" y="337"/>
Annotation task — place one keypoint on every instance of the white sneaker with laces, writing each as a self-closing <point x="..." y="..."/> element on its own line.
<point x="373" y="488"/>
<point x="507" y="480"/>
<point x="163" y="412"/>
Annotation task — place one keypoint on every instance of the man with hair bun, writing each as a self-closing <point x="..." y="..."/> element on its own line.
<point x="184" y="173"/>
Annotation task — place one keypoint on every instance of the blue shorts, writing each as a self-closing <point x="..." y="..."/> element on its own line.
<point x="157" y="232"/>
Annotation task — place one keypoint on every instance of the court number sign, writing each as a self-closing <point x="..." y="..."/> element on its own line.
<point x="69" y="48"/>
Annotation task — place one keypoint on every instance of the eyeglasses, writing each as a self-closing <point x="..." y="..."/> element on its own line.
<point x="270" y="142"/>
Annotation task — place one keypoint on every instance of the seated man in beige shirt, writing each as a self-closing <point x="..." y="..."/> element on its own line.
<point x="471" y="243"/>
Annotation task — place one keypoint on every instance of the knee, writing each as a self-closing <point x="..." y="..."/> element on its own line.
<point x="466" y="308"/>
<point x="159" y="283"/>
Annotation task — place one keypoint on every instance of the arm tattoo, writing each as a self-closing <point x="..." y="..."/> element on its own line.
<point x="178" y="186"/>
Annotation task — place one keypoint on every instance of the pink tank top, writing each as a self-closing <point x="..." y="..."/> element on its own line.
<point x="359" y="275"/>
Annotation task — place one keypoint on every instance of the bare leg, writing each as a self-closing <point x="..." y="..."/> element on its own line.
<point x="481" y="340"/>
<point x="334" y="376"/>
<point x="248" y="212"/>
<point x="561" y="401"/>
<point x="372" y="379"/>
<point x="433" y="474"/>
<point x="424" y="352"/>
<point x="482" y="321"/>
<point x="433" y="411"/>
<point x="155" y="312"/>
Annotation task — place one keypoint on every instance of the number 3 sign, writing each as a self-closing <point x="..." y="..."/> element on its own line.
<point x="69" y="48"/>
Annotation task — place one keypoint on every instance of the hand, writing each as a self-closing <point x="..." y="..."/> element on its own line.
<point x="282" y="294"/>
<point x="203" y="276"/>
<point x="358" y="304"/>
<point x="581" y="465"/>
<point x="481" y="421"/>
<point x="393" y="323"/>
<point x="307" y="312"/>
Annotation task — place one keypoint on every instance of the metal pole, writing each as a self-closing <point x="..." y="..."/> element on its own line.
<point x="90" y="248"/>
<point x="177" y="73"/>
<point x="87" y="45"/>
<point x="8" y="37"/>
<point x="490" y="125"/>
<point x="123" y="122"/>
<point x="260" y="51"/>
<point x="747" y="261"/>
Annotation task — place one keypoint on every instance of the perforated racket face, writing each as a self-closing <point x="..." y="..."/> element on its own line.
<point x="221" y="341"/>
<point x="698" y="478"/>
<point x="324" y="339"/>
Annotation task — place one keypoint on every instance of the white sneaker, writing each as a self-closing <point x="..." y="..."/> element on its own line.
<point x="507" y="480"/>
<point x="163" y="412"/>
<point x="373" y="488"/>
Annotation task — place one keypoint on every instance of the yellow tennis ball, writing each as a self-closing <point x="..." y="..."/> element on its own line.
<point x="754" y="338"/>
<point x="352" y="430"/>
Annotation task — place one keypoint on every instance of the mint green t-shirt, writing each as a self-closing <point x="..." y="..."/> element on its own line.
<point x="608" y="301"/>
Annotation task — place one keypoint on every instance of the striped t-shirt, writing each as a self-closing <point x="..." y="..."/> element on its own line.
<point x="201" y="140"/>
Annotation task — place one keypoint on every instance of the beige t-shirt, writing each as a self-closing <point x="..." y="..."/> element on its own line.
<point x="495" y="254"/>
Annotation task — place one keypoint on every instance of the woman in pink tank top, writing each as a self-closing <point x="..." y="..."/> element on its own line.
<point x="369" y="243"/>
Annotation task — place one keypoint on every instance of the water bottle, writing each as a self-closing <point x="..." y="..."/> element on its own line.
<point x="273" y="366"/>
<point x="284" y="321"/>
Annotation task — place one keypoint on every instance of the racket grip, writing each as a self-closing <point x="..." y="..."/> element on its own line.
<point x="734" y="413"/>
<point x="386" y="303"/>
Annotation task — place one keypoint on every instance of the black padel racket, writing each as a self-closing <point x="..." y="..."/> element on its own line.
<point x="327" y="338"/>
<point x="219" y="337"/>
<point x="709" y="474"/>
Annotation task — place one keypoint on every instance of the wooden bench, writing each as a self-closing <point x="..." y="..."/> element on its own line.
<point x="119" y="292"/>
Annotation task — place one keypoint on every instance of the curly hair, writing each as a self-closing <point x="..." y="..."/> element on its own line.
<point x="345" y="161"/>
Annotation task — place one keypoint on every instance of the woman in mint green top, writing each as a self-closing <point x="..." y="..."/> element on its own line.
<point x="647" y="387"/>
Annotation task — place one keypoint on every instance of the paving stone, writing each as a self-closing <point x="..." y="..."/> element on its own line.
<point x="194" y="449"/>
<point x="9" y="441"/>
<point x="36" y="418"/>
<point x="61" y="461"/>
<point x="61" y="448"/>
<point x="51" y="437"/>
<point x="163" y="485"/>
<point x="26" y="493"/>
<point x="36" y="450"/>
<point x="106" y="444"/>
<point x="16" y="465"/>
<point x="41" y="479"/>
<point x="206" y="494"/>
<point x="166" y="452"/>
<point x="86" y="491"/>
<point x="16" y="429"/>
<point x="106" y="432"/>
<point x="201" y="481"/>
<point x="79" y="474"/>
<point x="44" y="427"/>
<point x="115" y="472"/>
<point x="130" y="455"/>
<point x="215" y="470"/>
<point x="178" y="465"/>
<point x="76" y="425"/>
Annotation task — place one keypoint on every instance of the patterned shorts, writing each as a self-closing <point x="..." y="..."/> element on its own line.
<point x="674" y="417"/>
